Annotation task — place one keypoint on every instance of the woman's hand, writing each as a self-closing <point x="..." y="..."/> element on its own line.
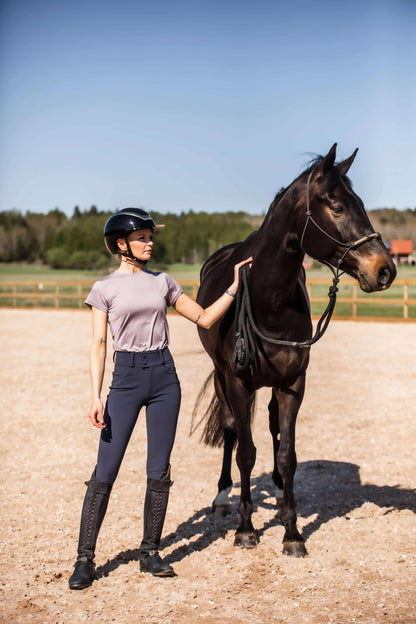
<point x="234" y="285"/>
<point x="96" y="414"/>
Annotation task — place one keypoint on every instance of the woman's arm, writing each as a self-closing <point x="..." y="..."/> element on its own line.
<point x="98" y="353"/>
<point x="206" y="318"/>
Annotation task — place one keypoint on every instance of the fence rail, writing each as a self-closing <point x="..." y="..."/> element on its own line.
<point x="396" y="304"/>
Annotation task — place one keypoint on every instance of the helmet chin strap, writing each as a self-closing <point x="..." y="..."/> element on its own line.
<point x="129" y="254"/>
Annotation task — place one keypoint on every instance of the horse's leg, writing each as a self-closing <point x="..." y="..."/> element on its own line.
<point x="239" y="401"/>
<point x="275" y="430"/>
<point x="221" y="503"/>
<point x="289" y="404"/>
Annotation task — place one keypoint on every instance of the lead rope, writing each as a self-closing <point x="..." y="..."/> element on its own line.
<point x="245" y="324"/>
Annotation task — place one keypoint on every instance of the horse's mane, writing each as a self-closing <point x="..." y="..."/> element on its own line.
<point x="311" y="165"/>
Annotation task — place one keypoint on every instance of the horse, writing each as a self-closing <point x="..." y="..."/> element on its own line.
<point x="318" y="214"/>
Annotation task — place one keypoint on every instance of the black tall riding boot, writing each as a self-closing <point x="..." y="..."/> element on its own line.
<point x="93" y="512"/>
<point x="155" y="505"/>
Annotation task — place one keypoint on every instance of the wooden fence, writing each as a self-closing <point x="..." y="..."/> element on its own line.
<point x="395" y="304"/>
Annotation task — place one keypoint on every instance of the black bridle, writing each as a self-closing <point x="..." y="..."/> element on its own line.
<point x="244" y="324"/>
<point x="349" y="246"/>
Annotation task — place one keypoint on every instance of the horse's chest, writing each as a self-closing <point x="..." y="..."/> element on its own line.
<point x="282" y="368"/>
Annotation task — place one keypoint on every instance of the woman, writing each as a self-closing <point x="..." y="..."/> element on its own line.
<point x="133" y="301"/>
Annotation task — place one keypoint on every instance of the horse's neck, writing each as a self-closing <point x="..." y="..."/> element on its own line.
<point x="278" y="257"/>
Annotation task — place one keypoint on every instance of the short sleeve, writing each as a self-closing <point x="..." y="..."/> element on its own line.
<point x="174" y="290"/>
<point x="97" y="298"/>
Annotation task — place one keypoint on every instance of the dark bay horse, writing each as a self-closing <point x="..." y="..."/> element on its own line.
<point x="318" y="214"/>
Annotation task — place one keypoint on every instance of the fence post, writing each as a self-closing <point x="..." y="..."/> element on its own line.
<point x="405" y="299"/>
<point x="354" y="305"/>
<point x="309" y="291"/>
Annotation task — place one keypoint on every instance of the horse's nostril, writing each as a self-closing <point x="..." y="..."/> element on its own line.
<point x="384" y="276"/>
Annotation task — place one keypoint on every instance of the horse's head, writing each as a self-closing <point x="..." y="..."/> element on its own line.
<point x="335" y="228"/>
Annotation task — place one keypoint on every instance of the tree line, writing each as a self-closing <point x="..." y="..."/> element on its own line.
<point x="76" y="242"/>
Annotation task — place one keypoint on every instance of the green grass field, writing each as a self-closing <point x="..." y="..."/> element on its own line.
<point x="39" y="273"/>
<point x="33" y="272"/>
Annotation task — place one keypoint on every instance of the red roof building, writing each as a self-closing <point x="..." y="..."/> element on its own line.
<point x="401" y="247"/>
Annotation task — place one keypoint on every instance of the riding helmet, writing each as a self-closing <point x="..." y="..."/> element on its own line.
<point x="124" y="222"/>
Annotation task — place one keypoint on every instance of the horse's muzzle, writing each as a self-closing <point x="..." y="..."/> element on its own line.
<point x="385" y="276"/>
<point x="379" y="278"/>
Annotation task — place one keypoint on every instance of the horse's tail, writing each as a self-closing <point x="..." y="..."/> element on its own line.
<point x="215" y="417"/>
<point x="211" y="414"/>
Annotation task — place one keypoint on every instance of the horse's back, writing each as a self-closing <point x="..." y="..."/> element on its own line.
<point x="219" y="256"/>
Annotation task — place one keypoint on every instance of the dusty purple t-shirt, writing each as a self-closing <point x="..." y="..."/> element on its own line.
<point x="136" y="305"/>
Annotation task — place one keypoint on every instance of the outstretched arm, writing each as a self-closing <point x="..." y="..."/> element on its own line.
<point x="206" y="318"/>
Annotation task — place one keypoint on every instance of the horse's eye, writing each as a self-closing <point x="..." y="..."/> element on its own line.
<point x="337" y="208"/>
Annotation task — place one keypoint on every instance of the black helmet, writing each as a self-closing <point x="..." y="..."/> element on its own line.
<point x="124" y="222"/>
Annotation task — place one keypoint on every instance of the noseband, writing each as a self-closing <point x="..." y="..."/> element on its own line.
<point x="349" y="246"/>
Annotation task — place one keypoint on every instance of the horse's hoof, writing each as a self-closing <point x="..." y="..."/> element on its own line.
<point x="245" y="540"/>
<point x="221" y="504"/>
<point x="220" y="510"/>
<point x="294" y="549"/>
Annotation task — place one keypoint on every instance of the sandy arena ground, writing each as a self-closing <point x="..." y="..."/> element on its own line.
<point x="354" y="488"/>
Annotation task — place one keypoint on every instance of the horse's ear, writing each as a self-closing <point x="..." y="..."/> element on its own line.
<point x="329" y="159"/>
<point x="346" y="164"/>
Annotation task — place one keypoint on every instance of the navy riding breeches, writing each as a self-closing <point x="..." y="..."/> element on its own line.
<point x="145" y="379"/>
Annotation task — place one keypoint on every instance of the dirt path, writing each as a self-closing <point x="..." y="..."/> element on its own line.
<point x="354" y="488"/>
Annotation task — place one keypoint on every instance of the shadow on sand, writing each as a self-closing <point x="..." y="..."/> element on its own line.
<point x="326" y="489"/>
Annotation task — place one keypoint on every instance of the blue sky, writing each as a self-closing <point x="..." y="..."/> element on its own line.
<point x="203" y="105"/>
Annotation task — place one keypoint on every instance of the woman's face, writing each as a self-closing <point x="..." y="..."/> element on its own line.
<point x="141" y="243"/>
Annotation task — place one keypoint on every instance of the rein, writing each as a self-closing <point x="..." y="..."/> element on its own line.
<point x="245" y="327"/>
